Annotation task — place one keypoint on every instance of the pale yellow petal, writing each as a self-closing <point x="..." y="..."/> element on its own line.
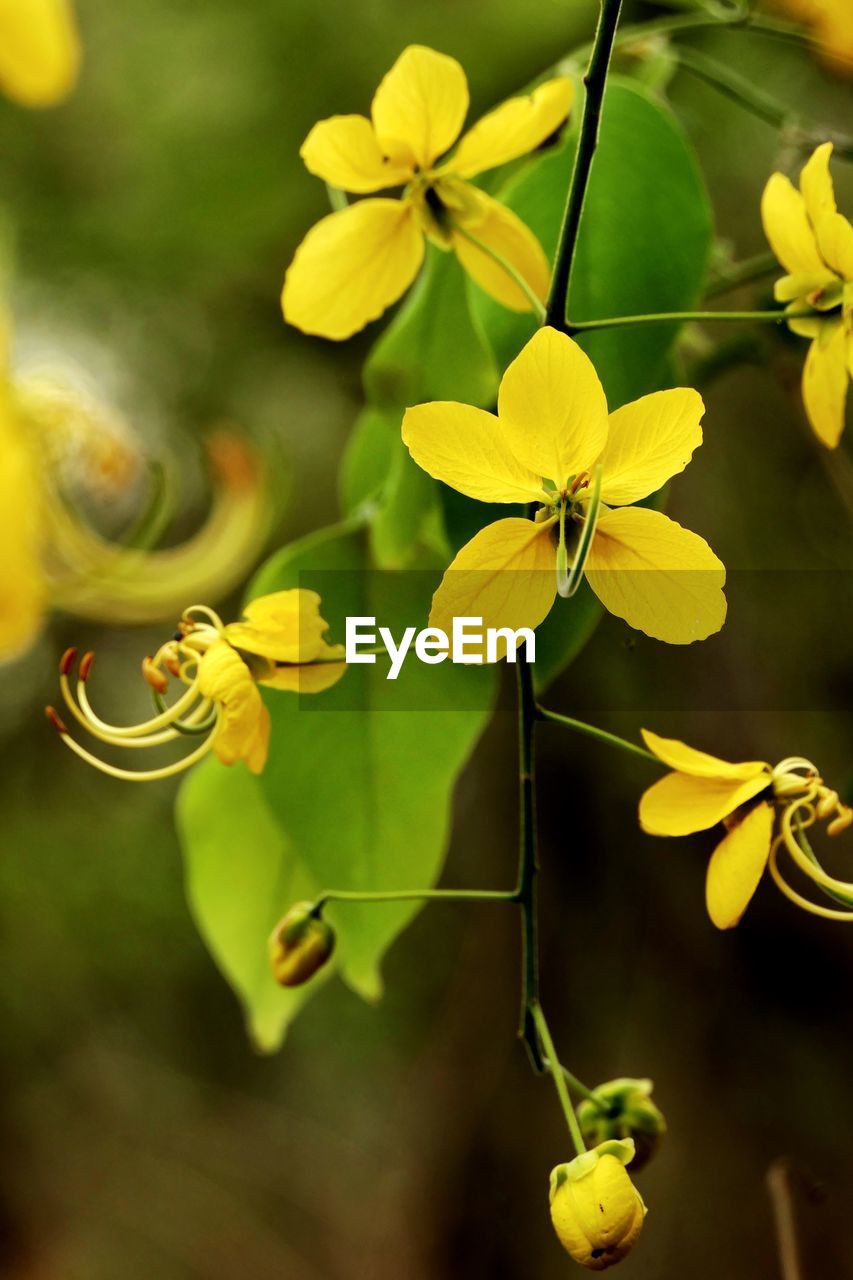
<point x="351" y="266"/>
<point x="835" y="240"/>
<point x="679" y="804"/>
<point x="825" y="379"/>
<point x="513" y="129"/>
<point x="787" y="227"/>
<point x="679" y="756"/>
<point x="648" y="442"/>
<point x="285" y="626"/>
<point x="506" y="576"/>
<point x="467" y="449"/>
<point x="505" y="235"/>
<point x="737" y="865"/>
<point x="553" y="408"/>
<point x="816" y="184"/>
<point x="662" y="579"/>
<point x="420" y="106"/>
<point x="345" y="152"/>
<point x="39" y="51"/>
<point x="23" y="586"/>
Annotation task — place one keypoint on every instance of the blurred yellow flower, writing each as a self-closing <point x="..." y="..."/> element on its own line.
<point x="281" y="644"/>
<point x="814" y="243"/>
<point x="39" y="51"/>
<point x="703" y="791"/>
<point x="832" y="24"/>
<point x="355" y="262"/>
<point x="551" y="433"/>
<point x="596" y="1210"/>
<point x="67" y="458"/>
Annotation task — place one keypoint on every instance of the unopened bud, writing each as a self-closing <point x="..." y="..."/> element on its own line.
<point x="624" y="1109"/>
<point x="299" y="945"/>
<point x="596" y="1210"/>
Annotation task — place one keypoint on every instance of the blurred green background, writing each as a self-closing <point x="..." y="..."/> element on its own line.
<point x="153" y="215"/>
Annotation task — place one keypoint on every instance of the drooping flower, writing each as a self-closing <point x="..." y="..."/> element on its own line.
<point x="355" y="262"/>
<point x="69" y="465"/>
<point x="763" y="810"/>
<point x="596" y="1210"/>
<point x="280" y="644"/>
<point x="620" y="1109"/>
<point x="832" y="24"/>
<point x="300" y="944"/>
<point x="551" y="435"/>
<point x="39" y="51"/>
<point x="814" y="243"/>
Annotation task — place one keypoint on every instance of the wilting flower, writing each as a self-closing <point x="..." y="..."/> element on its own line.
<point x="550" y="443"/>
<point x="596" y="1210"/>
<point x="354" y="263"/>
<point x="39" y="51"/>
<point x="299" y="945"/>
<point x="67" y="459"/>
<point x="624" y="1108"/>
<point x="280" y="643"/>
<point x="814" y="243"/>
<point x="832" y="24"/>
<point x="762" y="808"/>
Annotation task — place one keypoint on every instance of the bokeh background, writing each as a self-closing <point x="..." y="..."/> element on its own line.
<point x="140" y="1136"/>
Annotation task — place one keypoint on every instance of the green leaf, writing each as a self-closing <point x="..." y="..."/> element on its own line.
<point x="643" y="245"/>
<point x="361" y="778"/>
<point x="242" y="873"/>
<point x="367" y="458"/>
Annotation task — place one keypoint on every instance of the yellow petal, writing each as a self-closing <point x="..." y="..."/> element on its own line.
<point x="513" y="129"/>
<point x="506" y="575"/>
<point x="835" y="240"/>
<point x="825" y="380"/>
<point x="816" y="184"/>
<point x="351" y="266"/>
<point x="243" y="729"/>
<point x="467" y="449"/>
<point x="553" y="407"/>
<point x="22" y="580"/>
<point x="648" y="442"/>
<point x="786" y="225"/>
<point x="678" y="804"/>
<point x="345" y="152"/>
<point x="420" y="106"/>
<point x="306" y="679"/>
<point x="737" y="865"/>
<point x="686" y="759"/>
<point x="285" y="626"/>
<point x="39" y="51"/>
<point x="502" y="232"/>
<point x="662" y="579"/>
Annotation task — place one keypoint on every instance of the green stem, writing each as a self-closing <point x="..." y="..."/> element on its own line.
<point x="578" y="1087"/>
<point x="413" y="895"/>
<point x="595" y="81"/>
<point x="612" y="739"/>
<point x="528" y="862"/>
<point x="517" y="278"/>
<point x="682" y="317"/>
<point x="762" y="264"/>
<point x="734" y="86"/>
<point x="558" y="1076"/>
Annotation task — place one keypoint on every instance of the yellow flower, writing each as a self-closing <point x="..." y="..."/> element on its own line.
<point x="703" y="791"/>
<point x="39" y="51"/>
<point x="280" y="644"/>
<point x="551" y="433"/>
<point x="66" y="460"/>
<point x="354" y="263"/>
<point x="832" y="23"/>
<point x="596" y="1210"/>
<point x="814" y="243"/>
<point x="300" y="944"/>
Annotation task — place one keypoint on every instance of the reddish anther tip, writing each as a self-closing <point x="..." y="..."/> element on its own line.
<point x="66" y="662"/>
<point x="86" y="666"/>
<point x="55" y="720"/>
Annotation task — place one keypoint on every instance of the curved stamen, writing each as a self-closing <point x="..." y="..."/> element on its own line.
<point x="211" y="614"/>
<point x="144" y="775"/>
<point x="813" y="870"/>
<point x="827" y="913"/>
<point x="568" y="582"/>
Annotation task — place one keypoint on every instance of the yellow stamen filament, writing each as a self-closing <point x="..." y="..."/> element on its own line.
<point x="827" y="913"/>
<point x="144" y="775"/>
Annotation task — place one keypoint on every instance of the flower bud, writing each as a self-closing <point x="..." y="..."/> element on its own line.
<point x="596" y="1210"/>
<point x="625" y="1110"/>
<point x="299" y="945"/>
